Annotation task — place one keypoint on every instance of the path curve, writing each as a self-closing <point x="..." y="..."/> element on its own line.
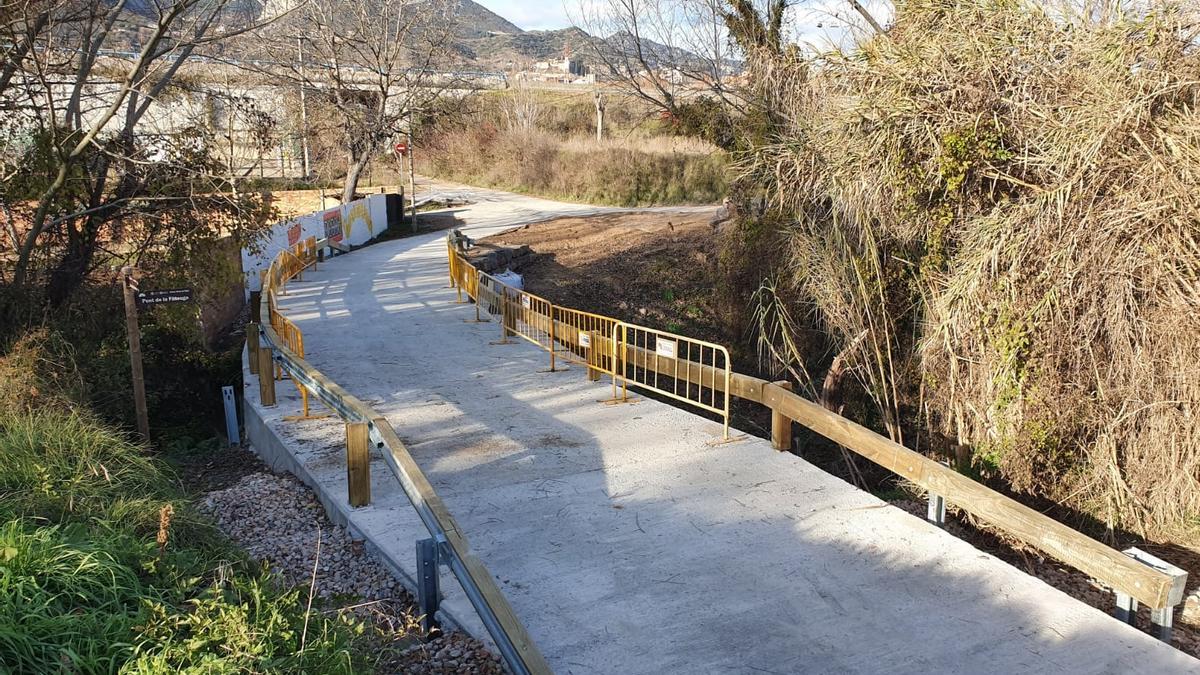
<point x="625" y="538"/>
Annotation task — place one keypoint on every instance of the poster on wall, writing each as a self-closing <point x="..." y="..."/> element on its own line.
<point x="293" y="233"/>
<point x="333" y="225"/>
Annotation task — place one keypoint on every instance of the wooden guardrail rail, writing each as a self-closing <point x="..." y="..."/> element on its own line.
<point x="450" y="544"/>
<point x="1140" y="577"/>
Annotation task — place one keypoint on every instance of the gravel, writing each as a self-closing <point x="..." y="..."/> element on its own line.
<point x="277" y="520"/>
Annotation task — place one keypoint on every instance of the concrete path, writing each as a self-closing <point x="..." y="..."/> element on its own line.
<point x="626" y="540"/>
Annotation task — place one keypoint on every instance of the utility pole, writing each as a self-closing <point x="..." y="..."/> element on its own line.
<point x="412" y="176"/>
<point x="130" y="286"/>
<point x="303" y="108"/>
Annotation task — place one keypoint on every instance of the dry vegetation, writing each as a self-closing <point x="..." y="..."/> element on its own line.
<point x="995" y="217"/>
<point x="544" y="143"/>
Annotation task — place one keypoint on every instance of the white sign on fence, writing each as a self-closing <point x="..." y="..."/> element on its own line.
<point x="526" y="301"/>
<point x="585" y="340"/>
<point x="664" y="348"/>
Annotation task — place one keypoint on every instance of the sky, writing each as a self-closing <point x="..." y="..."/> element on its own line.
<point x="821" y="23"/>
<point x="532" y="14"/>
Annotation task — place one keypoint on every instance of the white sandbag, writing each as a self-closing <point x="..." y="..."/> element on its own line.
<point x="511" y="279"/>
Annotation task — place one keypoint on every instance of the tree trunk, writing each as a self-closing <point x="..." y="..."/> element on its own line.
<point x="354" y="169"/>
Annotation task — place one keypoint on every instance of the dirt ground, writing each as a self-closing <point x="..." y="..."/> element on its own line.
<point x="659" y="270"/>
<point x="652" y="268"/>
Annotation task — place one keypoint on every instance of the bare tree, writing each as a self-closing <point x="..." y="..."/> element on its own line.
<point x="373" y="63"/>
<point x="81" y="80"/>
<point x="521" y="109"/>
<point x="669" y="52"/>
<point x="663" y="51"/>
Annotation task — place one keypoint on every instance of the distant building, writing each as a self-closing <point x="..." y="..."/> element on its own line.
<point x="565" y="65"/>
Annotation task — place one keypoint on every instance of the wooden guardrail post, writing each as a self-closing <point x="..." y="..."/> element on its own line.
<point x="358" y="463"/>
<point x="252" y="347"/>
<point x="266" y="377"/>
<point x="781" y="425"/>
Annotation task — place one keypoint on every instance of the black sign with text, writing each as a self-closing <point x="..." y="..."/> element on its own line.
<point x="151" y="298"/>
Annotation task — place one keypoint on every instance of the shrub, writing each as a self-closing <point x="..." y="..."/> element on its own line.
<point x="86" y="585"/>
<point x="1002" y="201"/>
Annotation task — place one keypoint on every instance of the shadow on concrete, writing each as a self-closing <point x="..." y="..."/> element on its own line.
<point x="628" y="542"/>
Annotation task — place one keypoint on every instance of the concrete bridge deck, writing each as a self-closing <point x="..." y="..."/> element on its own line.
<point x="625" y="538"/>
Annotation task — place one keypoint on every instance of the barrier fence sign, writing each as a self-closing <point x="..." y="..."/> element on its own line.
<point x="151" y="298"/>
<point x="585" y="340"/>
<point x="665" y="348"/>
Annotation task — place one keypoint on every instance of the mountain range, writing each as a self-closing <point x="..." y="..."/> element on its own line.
<point x="490" y="41"/>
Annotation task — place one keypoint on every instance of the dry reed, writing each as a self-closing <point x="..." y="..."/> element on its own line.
<point x="1006" y="199"/>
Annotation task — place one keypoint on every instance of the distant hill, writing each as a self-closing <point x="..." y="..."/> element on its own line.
<point x="477" y="21"/>
<point x="536" y="45"/>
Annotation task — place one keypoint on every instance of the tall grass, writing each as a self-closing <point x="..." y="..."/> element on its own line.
<point x="527" y="142"/>
<point x="85" y="585"/>
<point x="537" y="162"/>
<point x="1002" y="200"/>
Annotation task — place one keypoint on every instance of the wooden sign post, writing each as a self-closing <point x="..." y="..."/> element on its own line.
<point x="130" y="286"/>
<point x="135" y="298"/>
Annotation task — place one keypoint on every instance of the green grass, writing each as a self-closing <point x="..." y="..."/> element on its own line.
<point x="85" y="587"/>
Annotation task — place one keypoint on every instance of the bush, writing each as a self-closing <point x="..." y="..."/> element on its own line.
<point x="105" y="566"/>
<point x="994" y="218"/>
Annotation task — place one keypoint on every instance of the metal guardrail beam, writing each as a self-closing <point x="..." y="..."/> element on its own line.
<point x="497" y="615"/>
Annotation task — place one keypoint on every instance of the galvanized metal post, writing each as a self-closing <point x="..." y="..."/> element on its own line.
<point x="428" y="583"/>
<point x="1127" y="608"/>
<point x="1162" y="618"/>
<point x="936" y="512"/>
<point x="231" y="420"/>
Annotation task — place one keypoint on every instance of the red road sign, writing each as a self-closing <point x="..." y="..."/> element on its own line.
<point x="402" y="148"/>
